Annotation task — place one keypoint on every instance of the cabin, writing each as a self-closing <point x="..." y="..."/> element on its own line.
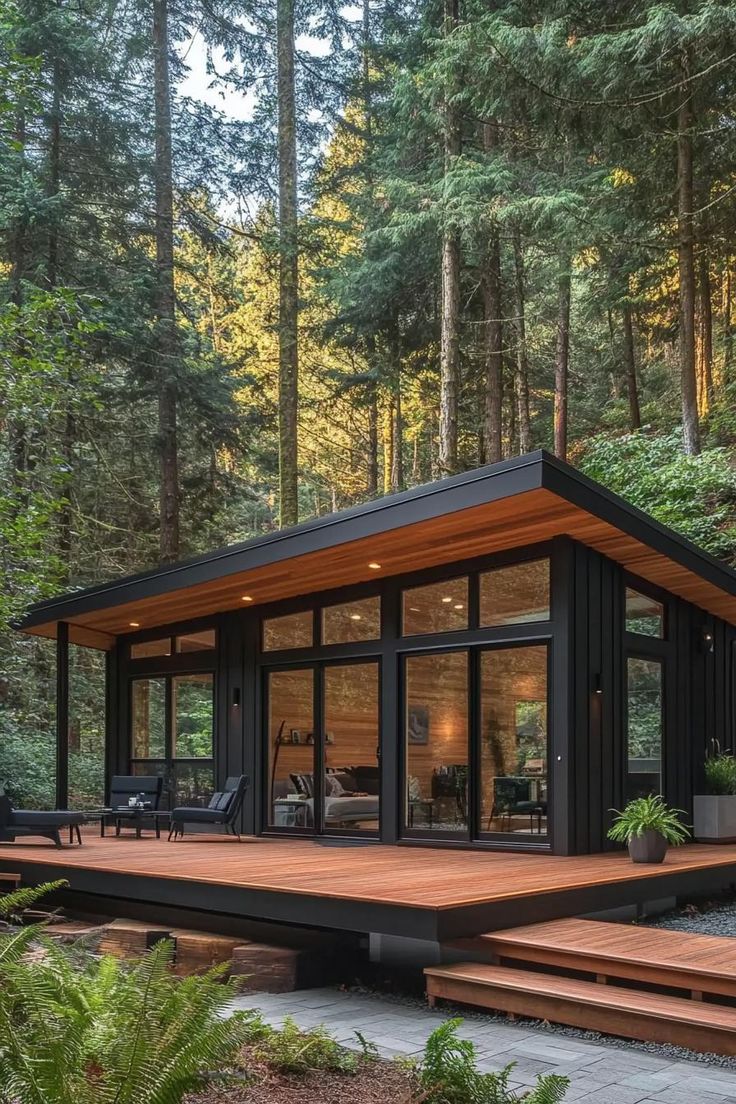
<point x="438" y="698"/>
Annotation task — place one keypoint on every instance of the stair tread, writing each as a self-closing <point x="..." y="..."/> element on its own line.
<point x="684" y="952"/>
<point x="590" y="993"/>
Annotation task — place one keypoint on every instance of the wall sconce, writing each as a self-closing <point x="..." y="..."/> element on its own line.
<point x="597" y="683"/>
<point x="236" y="697"/>
<point x="707" y="642"/>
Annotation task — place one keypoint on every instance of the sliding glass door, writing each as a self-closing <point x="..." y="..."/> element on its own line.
<point x="323" y="741"/>
<point x="475" y="742"/>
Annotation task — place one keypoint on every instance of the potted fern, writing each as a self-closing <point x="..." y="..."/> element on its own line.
<point x="714" y="812"/>
<point x="648" y="826"/>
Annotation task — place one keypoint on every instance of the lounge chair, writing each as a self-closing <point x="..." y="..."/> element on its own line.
<point x="125" y="786"/>
<point x="224" y="808"/>
<point x="38" y="822"/>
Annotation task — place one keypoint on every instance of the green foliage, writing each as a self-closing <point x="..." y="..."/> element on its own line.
<point x="649" y="814"/>
<point x="695" y="495"/>
<point x="103" y="1032"/>
<point x="447" y="1073"/>
<point x="720" y="774"/>
<point x="292" y="1050"/>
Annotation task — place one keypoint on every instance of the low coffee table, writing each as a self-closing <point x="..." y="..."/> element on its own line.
<point x="136" y="816"/>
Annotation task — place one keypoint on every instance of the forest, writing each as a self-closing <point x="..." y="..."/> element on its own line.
<point x="432" y="234"/>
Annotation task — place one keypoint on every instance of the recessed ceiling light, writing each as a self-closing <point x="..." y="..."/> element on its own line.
<point x="447" y="599"/>
<point x="458" y="606"/>
<point x="374" y="566"/>
<point x="355" y="617"/>
<point x="135" y="624"/>
<point x="247" y="598"/>
<point x="414" y="609"/>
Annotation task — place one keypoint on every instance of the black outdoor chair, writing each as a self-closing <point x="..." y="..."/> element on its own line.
<point x="224" y="808"/>
<point x="125" y="786"/>
<point x="38" y="822"/>
<point x="512" y="797"/>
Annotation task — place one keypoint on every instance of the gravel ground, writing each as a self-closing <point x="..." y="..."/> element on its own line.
<point x="702" y="916"/>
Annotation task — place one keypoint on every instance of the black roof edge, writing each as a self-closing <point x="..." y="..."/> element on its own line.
<point x="493" y="481"/>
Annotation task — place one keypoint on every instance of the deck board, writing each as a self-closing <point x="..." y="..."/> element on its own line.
<point x="423" y="878"/>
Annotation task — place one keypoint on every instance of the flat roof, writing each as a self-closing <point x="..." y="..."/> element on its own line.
<point x="517" y="502"/>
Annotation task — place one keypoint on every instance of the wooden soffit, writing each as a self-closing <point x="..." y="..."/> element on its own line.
<point x="513" y="515"/>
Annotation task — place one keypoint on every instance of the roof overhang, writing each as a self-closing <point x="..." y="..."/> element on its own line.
<point x="518" y="502"/>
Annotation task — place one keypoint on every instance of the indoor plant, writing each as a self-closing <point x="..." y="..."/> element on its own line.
<point x="648" y="825"/>
<point x="714" y="812"/>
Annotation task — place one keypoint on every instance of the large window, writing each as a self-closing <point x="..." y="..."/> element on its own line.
<point x="513" y="740"/>
<point x="172" y="728"/>
<point x="293" y="630"/>
<point x="644" y="701"/>
<point x="350" y="621"/>
<point x="436" y="741"/>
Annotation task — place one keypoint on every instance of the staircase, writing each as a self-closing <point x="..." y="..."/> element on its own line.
<point x="637" y="982"/>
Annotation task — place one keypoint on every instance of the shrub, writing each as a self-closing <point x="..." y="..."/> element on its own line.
<point x="292" y="1050"/>
<point x="720" y="775"/>
<point x="648" y="814"/>
<point x="447" y="1073"/>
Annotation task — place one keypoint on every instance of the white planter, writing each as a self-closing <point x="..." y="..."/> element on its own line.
<point x="714" y="818"/>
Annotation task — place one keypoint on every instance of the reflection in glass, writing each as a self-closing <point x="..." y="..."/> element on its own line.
<point x="352" y="621"/>
<point x="192" y="714"/>
<point x="291" y="748"/>
<point x="644" y="615"/>
<point x="439" y="607"/>
<point x="644" y="727"/>
<point x="436" y="742"/>
<point x="513" y="735"/>
<point x="149" y="648"/>
<point x="294" y="630"/>
<point x="148" y="718"/>
<point x="351" y="746"/>
<point x="516" y="594"/>
<point x="201" y="641"/>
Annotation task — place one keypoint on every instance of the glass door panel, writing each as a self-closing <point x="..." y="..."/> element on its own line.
<point x="291" y="751"/>
<point x="436" y="742"/>
<point x="351" y="747"/>
<point x="643" y="727"/>
<point x="513" y="741"/>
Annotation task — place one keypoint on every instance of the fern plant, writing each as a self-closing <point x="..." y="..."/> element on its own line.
<point x="448" y="1073"/>
<point x="648" y="814"/>
<point x="109" y="1033"/>
<point x="293" y="1050"/>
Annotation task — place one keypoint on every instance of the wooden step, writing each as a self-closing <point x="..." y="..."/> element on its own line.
<point x="680" y="960"/>
<point x="9" y="882"/>
<point x="632" y="1014"/>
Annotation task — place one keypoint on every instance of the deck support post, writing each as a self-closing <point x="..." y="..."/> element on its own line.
<point x="62" y="715"/>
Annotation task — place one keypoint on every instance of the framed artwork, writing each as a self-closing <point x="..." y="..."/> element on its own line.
<point x="417" y="724"/>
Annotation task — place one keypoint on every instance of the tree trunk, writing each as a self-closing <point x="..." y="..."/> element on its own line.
<point x="54" y="179"/>
<point x="727" y="326"/>
<point x="492" y="450"/>
<point x="17" y="427"/>
<point x="686" y="267"/>
<point x="632" y="391"/>
<point x="562" y="356"/>
<point x="372" y="487"/>
<point x="450" y="310"/>
<point x="288" y="267"/>
<point x="706" y="331"/>
<point x="165" y="301"/>
<point x="522" y="364"/>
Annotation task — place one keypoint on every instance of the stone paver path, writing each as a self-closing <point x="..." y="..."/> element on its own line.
<point x="598" y="1074"/>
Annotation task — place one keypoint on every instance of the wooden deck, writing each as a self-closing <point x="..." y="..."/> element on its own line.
<point x="431" y="893"/>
